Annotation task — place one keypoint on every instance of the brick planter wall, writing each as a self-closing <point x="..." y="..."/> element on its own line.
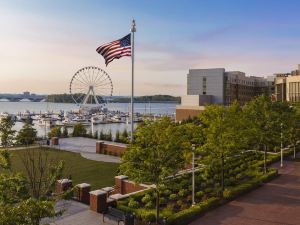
<point x="63" y="185"/>
<point x="98" y="200"/>
<point x="82" y="193"/>
<point x="55" y="141"/>
<point x="124" y="186"/>
<point x="99" y="147"/>
<point x="110" y="148"/>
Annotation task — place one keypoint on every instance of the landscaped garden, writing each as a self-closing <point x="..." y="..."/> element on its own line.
<point x="233" y="145"/>
<point x="241" y="176"/>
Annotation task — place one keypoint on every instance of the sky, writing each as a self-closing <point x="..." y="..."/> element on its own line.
<point x="44" y="43"/>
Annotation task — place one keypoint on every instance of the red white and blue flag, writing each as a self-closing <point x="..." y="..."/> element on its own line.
<point x="115" y="49"/>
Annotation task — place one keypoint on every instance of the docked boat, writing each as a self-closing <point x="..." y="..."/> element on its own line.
<point x="23" y="117"/>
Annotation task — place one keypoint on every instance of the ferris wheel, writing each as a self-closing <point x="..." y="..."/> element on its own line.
<point x="91" y="85"/>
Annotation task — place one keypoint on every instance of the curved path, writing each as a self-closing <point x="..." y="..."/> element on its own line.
<point x="86" y="147"/>
<point x="276" y="203"/>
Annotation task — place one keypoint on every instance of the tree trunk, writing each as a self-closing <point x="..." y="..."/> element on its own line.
<point x="265" y="159"/>
<point x="294" y="151"/>
<point x="222" y="175"/>
<point x="157" y="206"/>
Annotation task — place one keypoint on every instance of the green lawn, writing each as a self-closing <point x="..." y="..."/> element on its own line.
<point x="98" y="174"/>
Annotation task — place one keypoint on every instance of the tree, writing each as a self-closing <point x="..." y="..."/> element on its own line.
<point x="109" y="136"/>
<point x="17" y="207"/>
<point x="79" y="130"/>
<point x="41" y="171"/>
<point x="192" y="134"/>
<point x="55" y="132"/>
<point x="102" y="135"/>
<point x="27" y="135"/>
<point x="124" y="137"/>
<point x="65" y="132"/>
<point x="156" y="154"/>
<point x="6" y="131"/>
<point x="263" y="123"/>
<point x="117" y="137"/>
<point x="95" y="135"/>
<point x="224" y="135"/>
<point x="293" y="131"/>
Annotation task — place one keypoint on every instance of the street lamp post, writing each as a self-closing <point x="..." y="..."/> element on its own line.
<point x="92" y="126"/>
<point x="193" y="174"/>
<point x="281" y="146"/>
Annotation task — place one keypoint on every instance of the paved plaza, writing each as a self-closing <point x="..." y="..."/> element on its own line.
<point x="86" y="147"/>
<point x="276" y="203"/>
<point x="78" y="214"/>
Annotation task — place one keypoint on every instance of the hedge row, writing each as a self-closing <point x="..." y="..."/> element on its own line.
<point x="188" y="215"/>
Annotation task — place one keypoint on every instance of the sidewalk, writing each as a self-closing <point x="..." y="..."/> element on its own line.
<point x="86" y="147"/>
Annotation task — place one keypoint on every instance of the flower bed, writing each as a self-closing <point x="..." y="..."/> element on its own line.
<point x="241" y="174"/>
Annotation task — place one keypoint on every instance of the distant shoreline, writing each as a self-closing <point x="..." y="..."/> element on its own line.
<point x="67" y="98"/>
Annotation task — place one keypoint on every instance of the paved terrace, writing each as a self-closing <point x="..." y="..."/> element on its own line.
<point x="87" y="148"/>
<point x="276" y="203"/>
<point x="77" y="214"/>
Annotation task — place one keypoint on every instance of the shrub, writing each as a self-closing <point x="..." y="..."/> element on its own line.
<point x="55" y="132"/>
<point x="147" y="216"/>
<point x="183" y="192"/>
<point x="179" y="202"/>
<point x="239" y="176"/>
<point x="208" y="190"/>
<point x="189" y="198"/>
<point x="167" y="192"/>
<point x="173" y="197"/>
<point x="147" y="198"/>
<point x="187" y="215"/>
<point x="79" y="130"/>
<point x="133" y="204"/>
<point x="162" y="200"/>
<point x="149" y="205"/>
<point x="199" y="194"/>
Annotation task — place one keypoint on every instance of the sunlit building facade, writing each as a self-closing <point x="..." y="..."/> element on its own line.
<point x="287" y="86"/>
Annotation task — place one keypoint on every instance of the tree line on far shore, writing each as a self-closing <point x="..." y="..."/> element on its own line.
<point x="67" y="98"/>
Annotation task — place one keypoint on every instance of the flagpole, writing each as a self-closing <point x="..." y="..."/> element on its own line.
<point x="133" y="30"/>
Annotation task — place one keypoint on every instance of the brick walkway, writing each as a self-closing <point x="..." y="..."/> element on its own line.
<point x="276" y="203"/>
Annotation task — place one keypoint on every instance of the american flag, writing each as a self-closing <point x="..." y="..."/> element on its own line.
<point x="115" y="49"/>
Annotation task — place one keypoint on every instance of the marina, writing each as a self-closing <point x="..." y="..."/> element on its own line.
<point x="114" y="117"/>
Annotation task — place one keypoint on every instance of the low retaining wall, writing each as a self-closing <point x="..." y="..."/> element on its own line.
<point x="124" y="186"/>
<point x="110" y="148"/>
<point x="99" y="200"/>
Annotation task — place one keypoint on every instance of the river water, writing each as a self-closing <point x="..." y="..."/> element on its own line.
<point x="42" y="107"/>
